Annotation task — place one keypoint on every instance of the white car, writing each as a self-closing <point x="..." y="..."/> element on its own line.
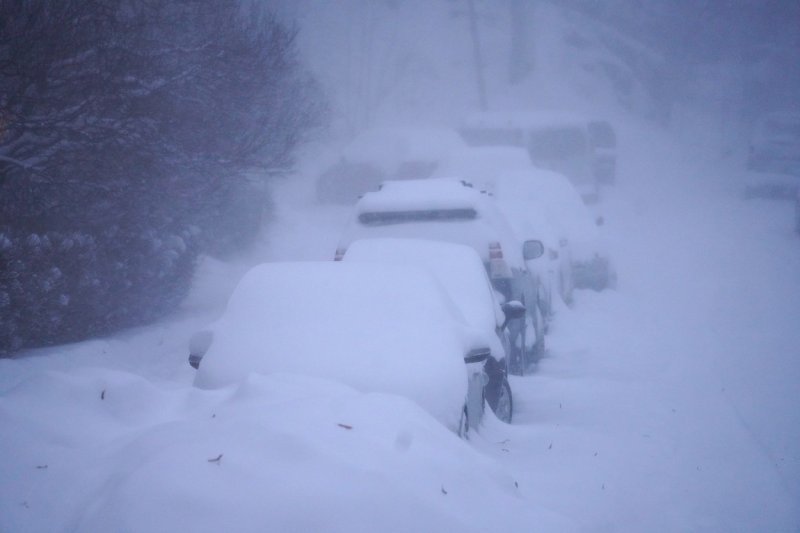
<point x="375" y="327"/>
<point x="591" y="264"/>
<point x="543" y="205"/>
<point x="507" y="173"/>
<point x="460" y="271"/>
<point x="381" y="154"/>
<point x="450" y="211"/>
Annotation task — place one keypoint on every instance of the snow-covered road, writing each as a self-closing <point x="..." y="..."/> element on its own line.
<point x="670" y="404"/>
<point x="673" y="403"/>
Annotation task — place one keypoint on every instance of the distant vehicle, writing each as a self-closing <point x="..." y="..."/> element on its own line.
<point x="555" y="141"/>
<point x="450" y="211"/>
<point x="604" y="146"/>
<point x="592" y="267"/>
<point x="382" y="154"/>
<point x="344" y="322"/>
<point x="543" y="205"/>
<point x="508" y="174"/>
<point x="460" y="272"/>
<point x="774" y="157"/>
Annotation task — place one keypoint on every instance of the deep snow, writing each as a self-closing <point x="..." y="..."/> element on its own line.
<point x="670" y="404"/>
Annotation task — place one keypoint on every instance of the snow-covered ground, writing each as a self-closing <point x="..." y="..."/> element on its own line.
<point x="670" y="404"/>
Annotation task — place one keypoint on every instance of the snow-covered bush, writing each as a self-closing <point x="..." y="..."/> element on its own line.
<point x="134" y="136"/>
<point x="61" y="287"/>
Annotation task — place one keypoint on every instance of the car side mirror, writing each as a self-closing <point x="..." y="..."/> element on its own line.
<point x="477" y="355"/>
<point x="532" y="250"/>
<point x="513" y="310"/>
<point x="198" y="346"/>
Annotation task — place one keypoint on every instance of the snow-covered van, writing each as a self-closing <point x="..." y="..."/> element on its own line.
<point x="555" y="141"/>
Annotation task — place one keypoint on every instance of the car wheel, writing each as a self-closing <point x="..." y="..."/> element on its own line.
<point x="499" y="399"/>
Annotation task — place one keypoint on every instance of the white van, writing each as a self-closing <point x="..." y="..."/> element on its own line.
<point x="555" y="141"/>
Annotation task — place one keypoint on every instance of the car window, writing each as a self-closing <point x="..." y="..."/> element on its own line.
<point x="384" y="218"/>
<point x="355" y="170"/>
<point x="492" y="136"/>
<point x="557" y="143"/>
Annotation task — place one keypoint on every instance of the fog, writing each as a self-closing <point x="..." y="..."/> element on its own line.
<point x="406" y="61"/>
<point x="666" y="398"/>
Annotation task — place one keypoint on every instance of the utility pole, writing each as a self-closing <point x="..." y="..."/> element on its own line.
<point x="476" y="52"/>
<point x="520" y="59"/>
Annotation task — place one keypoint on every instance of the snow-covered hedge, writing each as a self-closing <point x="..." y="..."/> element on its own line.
<point x="59" y="287"/>
<point x="132" y="137"/>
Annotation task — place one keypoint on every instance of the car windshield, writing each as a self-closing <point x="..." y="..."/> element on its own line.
<point x="385" y="218"/>
<point x="557" y="143"/>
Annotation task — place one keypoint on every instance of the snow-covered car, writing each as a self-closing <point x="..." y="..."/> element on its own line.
<point x="450" y="211"/>
<point x="507" y="173"/>
<point x="344" y="322"/>
<point x="544" y="205"/>
<point x="383" y="154"/>
<point x="603" y="139"/>
<point x="555" y="141"/>
<point x="460" y="272"/>
<point x="774" y="156"/>
<point x="591" y="265"/>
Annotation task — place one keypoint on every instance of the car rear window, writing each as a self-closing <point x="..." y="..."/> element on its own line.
<point x="492" y="136"/>
<point x="384" y="218"/>
<point x="557" y="143"/>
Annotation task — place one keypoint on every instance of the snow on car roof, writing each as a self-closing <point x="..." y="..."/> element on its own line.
<point x="441" y="209"/>
<point x="457" y="267"/>
<point x="507" y="173"/>
<point x="538" y="203"/>
<point x="377" y="328"/>
<point x="567" y="213"/>
<point x="427" y="194"/>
